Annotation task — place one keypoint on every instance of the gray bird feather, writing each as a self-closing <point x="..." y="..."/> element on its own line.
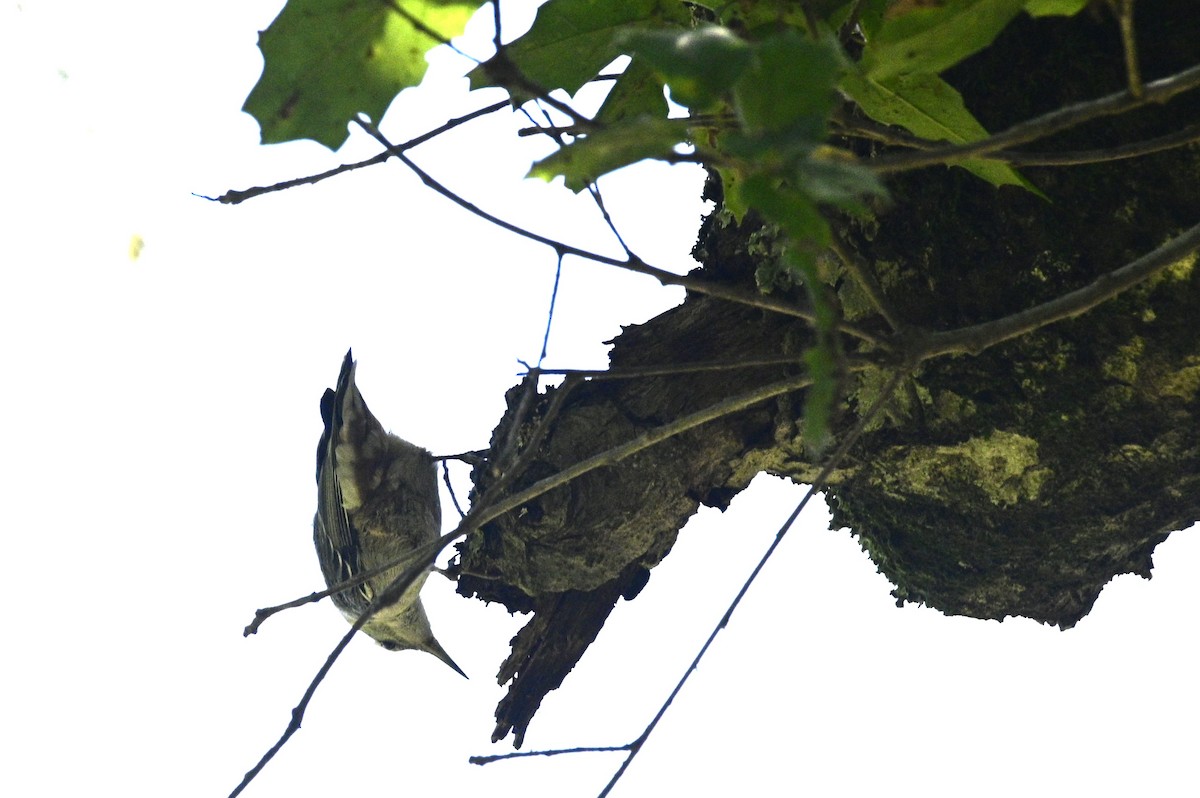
<point x="377" y="500"/>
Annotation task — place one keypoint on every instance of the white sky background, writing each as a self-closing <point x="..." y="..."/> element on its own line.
<point x="162" y="424"/>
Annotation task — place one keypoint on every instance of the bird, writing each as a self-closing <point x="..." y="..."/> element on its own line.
<point x="377" y="501"/>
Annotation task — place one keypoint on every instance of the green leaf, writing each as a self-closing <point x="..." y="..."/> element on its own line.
<point x="837" y="180"/>
<point x="933" y="39"/>
<point x="870" y="16"/>
<point x="329" y="60"/>
<point x="572" y="40"/>
<point x="603" y="151"/>
<point x="1055" y="8"/>
<point x="637" y="91"/>
<point x="699" y="65"/>
<point x="820" y="398"/>
<point x="929" y="107"/>
<point x="821" y="359"/>
<point x="794" y="212"/>
<point x="731" y="182"/>
<point x="789" y="84"/>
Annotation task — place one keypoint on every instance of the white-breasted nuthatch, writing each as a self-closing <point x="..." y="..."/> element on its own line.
<point x="377" y="501"/>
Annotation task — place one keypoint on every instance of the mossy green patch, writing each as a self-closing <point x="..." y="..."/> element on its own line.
<point x="1003" y="465"/>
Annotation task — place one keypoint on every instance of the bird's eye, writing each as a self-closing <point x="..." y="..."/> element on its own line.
<point x="390" y="645"/>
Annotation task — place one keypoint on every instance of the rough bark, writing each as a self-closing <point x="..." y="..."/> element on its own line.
<point x="1016" y="482"/>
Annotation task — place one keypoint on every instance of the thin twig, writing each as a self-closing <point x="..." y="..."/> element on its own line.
<point x="1137" y="149"/>
<point x="590" y="749"/>
<point x="234" y="196"/>
<point x="506" y="75"/>
<point x="644" y="441"/>
<point x="697" y="367"/>
<point x="297" y="714"/>
<point x="974" y="339"/>
<point x="390" y="595"/>
<point x="864" y="275"/>
<point x="429" y="551"/>
<point x="421" y="27"/>
<point x="550" y="311"/>
<point x="497" y="464"/>
<point x="450" y="488"/>
<point x="510" y="463"/>
<point x="598" y="198"/>
<point x="637" y="265"/>
<point x="496" y="37"/>
<point x="1158" y="91"/>
<point x="685" y="123"/>
<point x="885" y="134"/>
<point x="1133" y="74"/>
<point x="818" y="484"/>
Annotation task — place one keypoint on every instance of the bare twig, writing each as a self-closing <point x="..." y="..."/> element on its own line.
<point x="1158" y="91"/>
<point x="425" y="29"/>
<point x="535" y="440"/>
<point x="644" y="441"/>
<point x="498" y="462"/>
<point x="856" y="363"/>
<point x="487" y="760"/>
<point x="1137" y="149"/>
<point x="505" y="73"/>
<point x="818" y="484"/>
<point x="598" y="198"/>
<point x="684" y="123"/>
<point x="261" y="614"/>
<point x="550" y="311"/>
<point x="866" y="129"/>
<point x="715" y="290"/>
<point x="297" y="714"/>
<point x="975" y="339"/>
<point x="497" y="38"/>
<point x="450" y="488"/>
<point x="388" y="596"/>
<point x="234" y="196"/>
<point x="427" y="552"/>
<point x="1133" y="75"/>
<point x="864" y="275"/>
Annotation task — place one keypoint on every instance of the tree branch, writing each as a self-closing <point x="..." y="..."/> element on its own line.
<point x="1137" y="149"/>
<point x="864" y="275"/>
<point x="1068" y="116"/>
<point x="234" y="196"/>
<point x="1133" y="74"/>
<point x="487" y="760"/>
<point x="900" y="138"/>
<point x="973" y="340"/>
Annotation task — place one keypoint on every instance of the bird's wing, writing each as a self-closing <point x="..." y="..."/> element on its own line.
<point x="334" y="533"/>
